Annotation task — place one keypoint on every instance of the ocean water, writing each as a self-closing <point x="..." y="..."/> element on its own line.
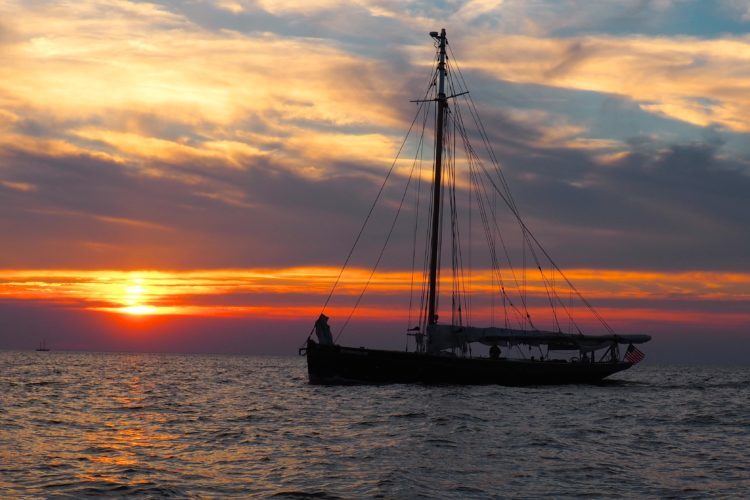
<point x="74" y="424"/>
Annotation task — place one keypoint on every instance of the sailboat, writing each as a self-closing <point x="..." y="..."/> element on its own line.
<point x="42" y="346"/>
<point x="442" y="351"/>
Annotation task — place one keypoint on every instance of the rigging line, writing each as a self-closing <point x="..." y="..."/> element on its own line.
<point x="459" y="274"/>
<point x="471" y="277"/>
<point x="472" y="155"/>
<point x="580" y="296"/>
<point x="527" y="316"/>
<point x="523" y="269"/>
<point x="418" y="191"/>
<point x="456" y="292"/>
<point x="482" y="131"/>
<point x="555" y="321"/>
<point x="493" y="209"/>
<point x="451" y="184"/>
<point x="565" y="309"/>
<point x="462" y="275"/>
<point x="538" y="263"/>
<point x="425" y="270"/>
<point x="438" y="205"/>
<point x="485" y="226"/>
<point x="483" y="214"/>
<point x="418" y="194"/>
<point x="475" y="160"/>
<point x="490" y="243"/>
<point x="440" y="228"/>
<point x="423" y="288"/>
<point x="502" y="241"/>
<point x="474" y="113"/>
<point x="511" y="202"/>
<point x="549" y="258"/>
<point x="570" y="303"/>
<point x="554" y="293"/>
<point x="545" y="282"/>
<point x="520" y="286"/>
<point x="455" y="228"/>
<point x="451" y="178"/>
<point x="493" y="212"/>
<point x="380" y="256"/>
<point x="505" y="312"/>
<point x="527" y="235"/>
<point x="433" y="76"/>
<point x="568" y="314"/>
<point x="372" y="207"/>
<point x="544" y="279"/>
<point x="463" y="279"/>
<point x="432" y="80"/>
<point x="425" y="257"/>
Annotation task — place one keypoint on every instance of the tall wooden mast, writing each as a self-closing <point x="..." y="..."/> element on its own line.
<point x="437" y="188"/>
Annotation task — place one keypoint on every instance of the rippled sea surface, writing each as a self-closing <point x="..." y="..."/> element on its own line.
<point x="76" y="424"/>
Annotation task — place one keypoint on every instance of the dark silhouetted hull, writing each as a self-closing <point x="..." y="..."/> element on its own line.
<point x="347" y="365"/>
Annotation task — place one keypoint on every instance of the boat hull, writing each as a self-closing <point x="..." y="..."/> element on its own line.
<point x="335" y="364"/>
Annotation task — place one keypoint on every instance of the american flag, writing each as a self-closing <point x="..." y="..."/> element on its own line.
<point x="633" y="355"/>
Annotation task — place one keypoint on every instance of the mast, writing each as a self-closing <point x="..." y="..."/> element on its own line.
<point x="437" y="186"/>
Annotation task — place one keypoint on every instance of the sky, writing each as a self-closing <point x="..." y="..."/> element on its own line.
<point x="189" y="175"/>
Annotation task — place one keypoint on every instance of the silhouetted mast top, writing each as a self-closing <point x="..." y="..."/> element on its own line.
<point x="437" y="184"/>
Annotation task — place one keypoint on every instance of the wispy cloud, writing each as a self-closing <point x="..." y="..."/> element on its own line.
<point x="138" y="82"/>
<point x="702" y="82"/>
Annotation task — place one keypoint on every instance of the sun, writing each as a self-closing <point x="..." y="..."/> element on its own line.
<point x="135" y="293"/>
<point x="138" y="310"/>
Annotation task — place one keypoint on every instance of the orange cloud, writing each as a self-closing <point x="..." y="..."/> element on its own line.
<point x="136" y="82"/>
<point x="296" y="293"/>
<point x="698" y="81"/>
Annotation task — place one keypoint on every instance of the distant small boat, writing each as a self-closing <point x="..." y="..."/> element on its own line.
<point x="443" y="353"/>
<point x="42" y="346"/>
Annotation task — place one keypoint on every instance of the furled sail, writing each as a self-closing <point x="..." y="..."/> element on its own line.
<point x="441" y="337"/>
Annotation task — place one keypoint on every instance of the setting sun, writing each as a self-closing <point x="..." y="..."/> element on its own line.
<point x="134" y="296"/>
<point x="138" y="310"/>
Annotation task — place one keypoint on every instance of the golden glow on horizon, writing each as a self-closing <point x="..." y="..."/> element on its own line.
<point x="135" y="294"/>
<point x="297" y="293"/>
<point x="139" y="310"/>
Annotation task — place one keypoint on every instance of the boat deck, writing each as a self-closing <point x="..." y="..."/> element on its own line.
<point x="347" y="365"/>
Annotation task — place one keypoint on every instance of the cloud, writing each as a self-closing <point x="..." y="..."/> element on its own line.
<point x="741" y="7"/>
<point x="665" y="206"/>
<point x="656" y="206"/>
<point x="139" y="82"/>
<point x="702" y="82"/>
<point x="631" y="300"/>
<point x="475" y="8"/>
